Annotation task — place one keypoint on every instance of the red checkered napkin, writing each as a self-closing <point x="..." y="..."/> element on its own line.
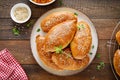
<point x="10" y="69"/>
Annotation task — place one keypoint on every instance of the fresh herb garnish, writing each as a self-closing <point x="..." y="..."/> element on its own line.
<point x="20" y="28"/>
<point x="38" y="30"/>
<point x="68" y="55"/>
<point x="60" y="2"/>
<point x="30" y="24"/>
<point x="100" y="66"/>
<point x="102" y="63"/>
<point x="81" y="26"/>
<point x="93" y="46"/>
<point x="58" y="49"/>
<point x="91" y="53"/>
<point x="98" y="55"/>
<point x="75" y="14"/>
<point x="15" y="31"/>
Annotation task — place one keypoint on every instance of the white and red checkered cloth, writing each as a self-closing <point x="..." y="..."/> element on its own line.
<point x="10" y="69"/>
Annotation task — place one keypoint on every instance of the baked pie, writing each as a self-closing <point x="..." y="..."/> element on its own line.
<point x="81" y="44"/>
<point x="56" y="18"/>
<point x="44" y="56"/>
<point x="66" y="44"/>
<point x="67" y="62"/>
<point x="118" y="37"/>
<point x="60" y="35"/>
<point x="116" y="61"/>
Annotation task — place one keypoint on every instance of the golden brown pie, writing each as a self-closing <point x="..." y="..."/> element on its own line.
<point x="56" y="18"/>
<point x="118" y="37"/>
<point x="60" y="35"/>
<point x="46" y="58"/>
<point x="81" y="44"/>
<point x="116" y="61"/>
<point x="65" y="60"/>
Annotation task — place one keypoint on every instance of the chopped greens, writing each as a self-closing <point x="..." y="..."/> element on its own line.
<point x="100" y="66"/>
<point x="102" y="63"/>
<point x="38" y="30"/>
<point x="75" y="14"/>
<point x="91" y="53"/>
<point x="30" y="24"/>
<point x="68" y="55"/>
<point x="81" y="26"/>
<point x="98" y="55"/>
<point x="93" y="46"/>
<point x="20" y="28"/>
<point x="60" y="2"/>
<point x="58" y="49"/>
<point x="15" y="31"/>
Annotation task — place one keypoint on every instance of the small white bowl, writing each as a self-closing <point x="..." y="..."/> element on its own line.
<point x="42" y="4"/>
<point x="20" y="5"/>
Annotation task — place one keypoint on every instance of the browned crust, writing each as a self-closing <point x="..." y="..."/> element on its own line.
<point x="118" y="37"/>
<point x="81" y="44"/>
<point x="45" y="57"/>
<point x="116" y="61"/>
<point x="56" y="18"/>
<point x="60" y="35"/>
<point x="69" y="63"/>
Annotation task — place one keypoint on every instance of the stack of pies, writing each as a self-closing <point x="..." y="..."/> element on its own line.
<point x="67" y="43"/>
<point x="116" y="59"/>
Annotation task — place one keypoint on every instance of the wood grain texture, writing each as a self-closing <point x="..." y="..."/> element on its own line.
<point x="35" y="72"/>
<point x="104" y="14"/>
<point x="104" y="29"/>
<point x="107" y="9"/>
<point x="22" y="52"/>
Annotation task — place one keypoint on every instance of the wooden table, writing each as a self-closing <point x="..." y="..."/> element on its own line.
<point x="104" y="14"/>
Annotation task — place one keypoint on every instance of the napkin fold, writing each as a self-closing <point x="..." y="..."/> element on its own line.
<point x="10" y="69"/>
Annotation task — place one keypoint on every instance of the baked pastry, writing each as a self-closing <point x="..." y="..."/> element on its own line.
<point x="56" y="18"/>
<point x="60" y="35"/>
<point x="118" y="37"/>
<point x="65" y="60"/>
<point x="116" y="61"/>
<point x="46" y="58"/>
<point x="81" y="44"/>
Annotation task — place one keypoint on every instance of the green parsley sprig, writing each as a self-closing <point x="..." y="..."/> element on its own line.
<point x="30" y="24"/>
<point x="60" y="2"/>
<point x="90" y="53"/>
<point x="100" y="66"/>
<point x="98" y="55"/>
<point x="81" y="26"/>
<point x="38" y="30"/>
<point x="58" y="49"/>
<point x="93" y="46"/>
<point x="21" y="28"/>
<point x="68" y="55"/>
<point x="75" y="14"/>
<point x="15" y="31"/>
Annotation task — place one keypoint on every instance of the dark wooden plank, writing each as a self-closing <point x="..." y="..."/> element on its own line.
<point x="109" y="9"/>
<point x="8" y="34"/>
<point x="35" y="72"/>
<point x="6" y="26"/>
<point x="22" y="52"/>
<point x="104" y="28"/>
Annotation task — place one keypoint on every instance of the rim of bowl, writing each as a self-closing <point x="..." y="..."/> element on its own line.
<point x="42" y="4"/>
<point x="20" y="5"/>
